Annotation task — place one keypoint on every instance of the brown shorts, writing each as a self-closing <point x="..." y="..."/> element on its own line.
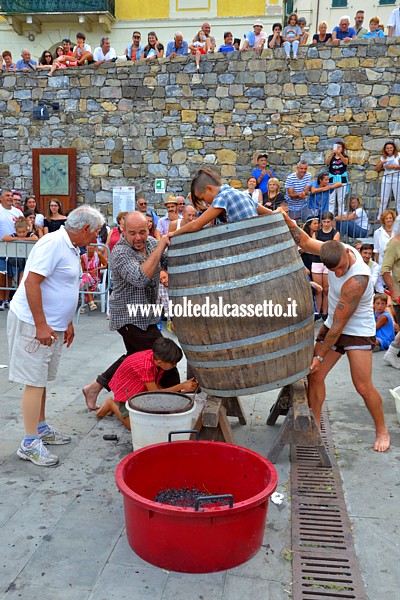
<point x="347" y="342"/>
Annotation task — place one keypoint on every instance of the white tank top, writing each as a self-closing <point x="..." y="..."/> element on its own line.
<point x="362" y="322"/>
<point x="178" y="225"/>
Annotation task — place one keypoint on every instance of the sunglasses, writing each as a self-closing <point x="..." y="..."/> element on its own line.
<point x="136" y="37"/>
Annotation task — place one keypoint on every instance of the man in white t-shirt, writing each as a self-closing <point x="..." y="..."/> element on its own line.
<point x="8" y="215"/>
<point x="40" y="322"/>
<point x="349" y="329"/>
<point x="104" y="52"/>
<point x="394" y="23"/>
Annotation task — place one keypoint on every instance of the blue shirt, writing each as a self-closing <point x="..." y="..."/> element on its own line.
<point x="182" y="51"/>
<point x="318" y="203"/>
<point x="139" y="51"/>
<point x="21" y="64"/>
<point x="263" y="185"/>
<point x="374" y="34"/>
<point x="340" y="35"/>
<point x="237" y="205"/>
<point x="386" y="332"/>
<point x="226" y="48"/>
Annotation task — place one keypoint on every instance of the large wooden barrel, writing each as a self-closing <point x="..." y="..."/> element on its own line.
<point x="243" y="263"/>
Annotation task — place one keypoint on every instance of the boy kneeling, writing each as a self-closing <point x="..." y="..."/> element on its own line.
<point x="141" y="372"/>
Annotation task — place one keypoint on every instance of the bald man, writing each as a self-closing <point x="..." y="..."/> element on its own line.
<point x="188" y="215"/>
<point x="136" y="261"/>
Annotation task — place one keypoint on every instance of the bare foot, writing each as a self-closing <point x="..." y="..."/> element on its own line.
<point x="382" y="442"/>
<point x="91" y="392"/>
<point x="107" y="408"/>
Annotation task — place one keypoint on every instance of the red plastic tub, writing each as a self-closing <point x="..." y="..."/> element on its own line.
<point x="213" y="538"/>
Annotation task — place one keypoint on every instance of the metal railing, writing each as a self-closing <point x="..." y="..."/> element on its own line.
<point x="15" y="7"/>
<point x="376" y="195"/>
<point x="16" y="253"/>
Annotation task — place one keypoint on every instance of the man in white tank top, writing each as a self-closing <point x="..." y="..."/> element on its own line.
<point x="349" y="328"/>
<point x="188" y="214"/>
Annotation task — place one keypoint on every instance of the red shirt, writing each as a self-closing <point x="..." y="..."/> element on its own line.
<point x="131" y="377"/>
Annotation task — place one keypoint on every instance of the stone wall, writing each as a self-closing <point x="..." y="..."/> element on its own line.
<point x="134" y="122"/>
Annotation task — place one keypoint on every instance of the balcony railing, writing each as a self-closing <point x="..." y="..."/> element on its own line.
<point x="20" y="7"/>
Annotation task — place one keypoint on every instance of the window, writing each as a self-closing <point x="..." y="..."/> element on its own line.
<point x="385" y="2"/>
<point x="339" y="3"/>
<point x="289" y="7"/>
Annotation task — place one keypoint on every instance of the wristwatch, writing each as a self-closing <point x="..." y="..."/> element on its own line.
<point x="320" y="358"/>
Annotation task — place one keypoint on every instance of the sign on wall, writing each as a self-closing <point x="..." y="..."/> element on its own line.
<point x="123" y="200"/>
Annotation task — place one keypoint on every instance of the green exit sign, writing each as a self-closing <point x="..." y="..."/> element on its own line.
<point x="160" y="186"/>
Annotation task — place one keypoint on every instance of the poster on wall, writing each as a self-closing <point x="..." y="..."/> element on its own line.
<point x="123" y="200"/>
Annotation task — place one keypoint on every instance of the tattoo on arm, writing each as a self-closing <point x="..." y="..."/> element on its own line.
<point x="296" y="235"/>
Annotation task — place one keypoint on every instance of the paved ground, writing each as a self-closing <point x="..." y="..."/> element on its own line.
<point x="62" y="529"/>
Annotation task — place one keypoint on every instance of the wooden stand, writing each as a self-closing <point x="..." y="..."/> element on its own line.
<point x="212" y="422"/>
<point x="299" y="427"/>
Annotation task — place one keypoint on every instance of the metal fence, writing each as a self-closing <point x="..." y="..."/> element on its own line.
<point x="376" y="196"/>
<point x="16" y="253"/>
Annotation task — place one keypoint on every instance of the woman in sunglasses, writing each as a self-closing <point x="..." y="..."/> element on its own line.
<point x="46" y="60"/>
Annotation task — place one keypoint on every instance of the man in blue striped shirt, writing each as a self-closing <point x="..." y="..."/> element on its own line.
<point x="297" y="188"/>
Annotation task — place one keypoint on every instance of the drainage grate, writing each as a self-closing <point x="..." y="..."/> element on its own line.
<point x="324" y="561"/>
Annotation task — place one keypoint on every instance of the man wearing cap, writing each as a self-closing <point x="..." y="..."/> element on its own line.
<point x="171" y="204"/>
<point x="262" y="174"/>
<point x="256" y="39"/>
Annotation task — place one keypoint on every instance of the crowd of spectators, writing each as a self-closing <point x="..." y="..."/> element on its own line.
<point x="20" y="221"/>
<point x="290" y="37"/>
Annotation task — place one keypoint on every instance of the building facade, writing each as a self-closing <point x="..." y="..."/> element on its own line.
<point x="330" y="11"/>
<point x="42" y="24"/>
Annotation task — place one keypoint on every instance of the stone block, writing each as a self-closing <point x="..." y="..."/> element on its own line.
<point x="117" y="157"/>
<point x="188" y="116"/>
<point x="178" y="158"/>
<point x="348" y="63"/>
<point x="374" y="144"/>
<point x="313" y="63"/>
<point x="394" y="128"/>
<point x="381" y="90"/>
<point x="98" y="170"/>
<point x="9" y="81"/>
<point x="228" y="157"/>
<point x="235" y="90"/>
<point x="222" y="117"/>
<point x="193" y="143"/>
<point x="228" y="171"/>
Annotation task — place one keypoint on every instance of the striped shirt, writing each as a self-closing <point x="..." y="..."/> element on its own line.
<point x="132" y="375"/>
<point x="237" y="205"/>
<point x="298" y="186"/>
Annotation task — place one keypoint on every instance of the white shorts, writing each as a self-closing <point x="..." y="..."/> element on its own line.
<point x="319" y="268"/>
<point x="31" y="368"/>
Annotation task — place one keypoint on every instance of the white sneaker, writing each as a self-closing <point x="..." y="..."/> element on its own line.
<point x="391" y="357"/>
<point x="37" y="453"/>
<point x="51" y="436"/>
